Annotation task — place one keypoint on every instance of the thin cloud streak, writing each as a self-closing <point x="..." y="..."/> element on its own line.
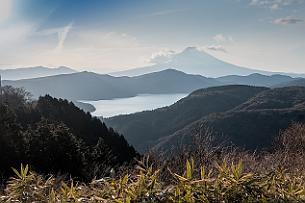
<point x="274" y="4"/>
<point x="287" y="21"/>
<point x="73" y="47"/>
<point x="62" y="35"/>
<point x="216" y="48"/>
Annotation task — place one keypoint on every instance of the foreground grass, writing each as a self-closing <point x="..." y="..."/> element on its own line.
<point x="224" y="183"/>
<point x="215" y="174"/>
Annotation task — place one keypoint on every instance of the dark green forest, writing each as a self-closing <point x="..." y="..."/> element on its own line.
<point x="54" y="136"/>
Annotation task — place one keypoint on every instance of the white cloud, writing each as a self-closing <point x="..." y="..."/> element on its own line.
<point x="62" y="35"/>
<point x="287" y="20"/>
<point x="60" y="32"/>
<point x="162" y="56"/>
<point x="274" y="4"/>
<point x="220" y="38"/>
<point x="274" y="7"/>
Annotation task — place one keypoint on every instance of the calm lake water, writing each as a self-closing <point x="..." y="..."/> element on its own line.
<point x="113" y="107"/>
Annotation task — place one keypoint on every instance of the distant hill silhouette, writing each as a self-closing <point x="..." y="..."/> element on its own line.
<point x="75" y="86"/>
<point x="246" y="116"/>
<point x="92" y="86"/>
<point x="255" y="79"/>
<point x="297" y="82"/>
<point x="33" y="72"/>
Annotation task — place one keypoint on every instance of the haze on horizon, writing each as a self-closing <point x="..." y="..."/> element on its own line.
<point x="106" y="36"/>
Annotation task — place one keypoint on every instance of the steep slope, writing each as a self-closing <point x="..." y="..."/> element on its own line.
<point x="84" y="106"/>
<point x="253" y="124"/>
<point x="255" y="79"/>
<point x="33" y="72"/>
<point x="145" y="128"/>
<point x="92" y="86"/>
<point x="83" y="125"/>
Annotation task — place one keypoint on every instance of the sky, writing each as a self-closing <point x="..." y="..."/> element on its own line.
<point x="112" y="35"/>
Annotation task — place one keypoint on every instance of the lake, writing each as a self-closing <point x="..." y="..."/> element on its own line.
<point x="113" y="107"/>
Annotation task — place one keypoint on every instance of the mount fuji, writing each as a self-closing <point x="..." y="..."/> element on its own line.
<point x="194" y="61"/>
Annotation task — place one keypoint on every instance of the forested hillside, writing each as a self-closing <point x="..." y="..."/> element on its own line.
<point x="254" y="124"/>
<point x="53" y="135"/>
<point x="244" y="116"/>
<point x="145" y="128"/>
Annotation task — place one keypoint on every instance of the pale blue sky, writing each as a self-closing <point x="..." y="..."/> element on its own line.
<point x="109" y="35"/>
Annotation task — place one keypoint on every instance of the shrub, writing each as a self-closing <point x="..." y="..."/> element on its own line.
<point x="222" y="183"/>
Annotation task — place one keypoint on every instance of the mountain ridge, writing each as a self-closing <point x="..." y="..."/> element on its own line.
<point x="256" y="78"/>
<point x="105" y="86"/>
<point x="33" y="72"/>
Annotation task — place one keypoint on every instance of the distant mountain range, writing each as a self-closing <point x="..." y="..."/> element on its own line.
<point x="296" y="82"/>
<point x="191" y="61"/>
<point x="249" y="117"/>
<point x="256" y="79"/>
<point x="92" y="86"/>
<point x="194" y="61"/>
<point x="33" y="72"/>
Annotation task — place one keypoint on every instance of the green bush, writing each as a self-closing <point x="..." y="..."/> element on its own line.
<point x="222" y="183"/>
